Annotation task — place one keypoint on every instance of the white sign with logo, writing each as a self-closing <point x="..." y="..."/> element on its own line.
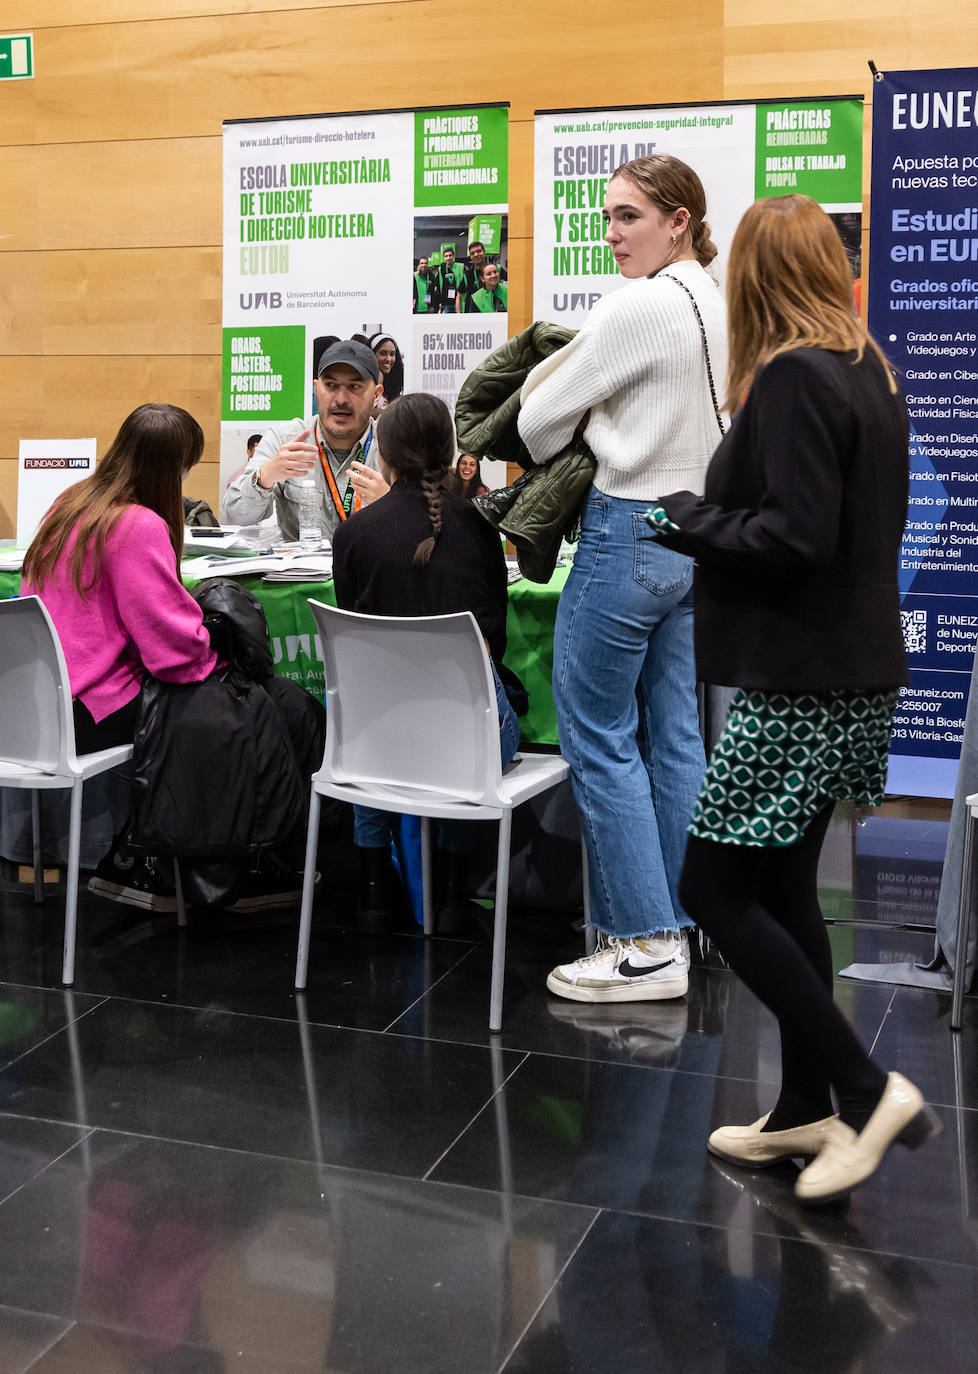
<point x="46" y="468"/>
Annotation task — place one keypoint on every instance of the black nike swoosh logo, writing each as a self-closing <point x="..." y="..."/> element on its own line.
<point x="626" y="970"/>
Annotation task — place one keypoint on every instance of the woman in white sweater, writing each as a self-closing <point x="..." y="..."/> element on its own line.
<point x="639" y="379"/>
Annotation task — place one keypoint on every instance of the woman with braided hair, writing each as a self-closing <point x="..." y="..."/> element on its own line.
<point x="421" y="550"/>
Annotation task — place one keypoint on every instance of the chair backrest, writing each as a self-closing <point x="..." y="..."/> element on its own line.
<point x="409" y="703"/>
<point x="37" y="728"/>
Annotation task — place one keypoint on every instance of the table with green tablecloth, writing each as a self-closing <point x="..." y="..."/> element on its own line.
<point x="295" y="646"/>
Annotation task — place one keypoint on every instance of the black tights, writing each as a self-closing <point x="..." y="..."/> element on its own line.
<point x="760" y="908"/>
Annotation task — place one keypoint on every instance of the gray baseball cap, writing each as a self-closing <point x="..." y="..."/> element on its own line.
<point x="351" y="354"/>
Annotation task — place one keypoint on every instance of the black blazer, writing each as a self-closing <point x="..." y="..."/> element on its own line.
<point x="373" y="571"/>
<point x="797" y="535"/>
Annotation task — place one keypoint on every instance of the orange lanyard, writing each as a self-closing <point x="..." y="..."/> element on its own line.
<point x="342" y="504"/>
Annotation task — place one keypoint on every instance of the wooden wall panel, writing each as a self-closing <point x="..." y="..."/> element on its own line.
<point x="768" y="54"/>
<point x="17" y="16"/>
<point x="111" y="195"/>
<point x="139" y="300"/>
<point x="182" y="77"/>
<point x="110" y="217"/>
<point x="92" y="394"/>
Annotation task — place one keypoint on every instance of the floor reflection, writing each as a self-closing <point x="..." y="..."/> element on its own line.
<point x="200" y="1172"/>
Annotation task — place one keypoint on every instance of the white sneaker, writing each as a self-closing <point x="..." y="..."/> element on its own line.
<point x="650" y="968"/>
<point x="684" y="947"/>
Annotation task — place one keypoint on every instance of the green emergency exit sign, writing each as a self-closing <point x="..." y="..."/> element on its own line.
<point x="16" y="56"/>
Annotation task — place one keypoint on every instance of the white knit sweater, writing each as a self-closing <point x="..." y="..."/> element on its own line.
<point x="638" y="366"/>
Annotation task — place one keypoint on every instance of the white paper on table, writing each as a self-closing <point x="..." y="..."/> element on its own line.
<point x="213" y="565"/>
<point x="46" y="468"/>
<point x="208" y="543"/>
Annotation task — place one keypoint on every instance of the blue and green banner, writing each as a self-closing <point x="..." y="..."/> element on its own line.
<point x="923" y="309"/>
<point x="741" y="150"/>
<point x="345" y="224"/>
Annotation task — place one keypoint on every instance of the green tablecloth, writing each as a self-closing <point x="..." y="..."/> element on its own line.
<point x="529" y="630"/>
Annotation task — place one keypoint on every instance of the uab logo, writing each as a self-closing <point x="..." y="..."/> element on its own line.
<point x="258" y="300"/>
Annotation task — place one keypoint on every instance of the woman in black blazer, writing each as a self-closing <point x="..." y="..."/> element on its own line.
<point x="796" y="604"/>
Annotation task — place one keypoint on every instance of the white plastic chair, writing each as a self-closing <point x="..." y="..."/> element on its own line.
<point x="412" y="727"/>
<point x="37" y="738"/>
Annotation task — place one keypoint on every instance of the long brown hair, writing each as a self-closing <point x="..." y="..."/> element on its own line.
<point x="672" y="185"/>
<point x="416" y="438"/>
<point x="789" y="285"/>
<point x="466" y="487"/>
<point x="145" y="464"/>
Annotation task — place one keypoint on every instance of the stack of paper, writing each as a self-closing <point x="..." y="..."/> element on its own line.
<point x="303" y="567"/>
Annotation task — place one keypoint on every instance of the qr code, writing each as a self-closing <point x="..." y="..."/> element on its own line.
<point x="914" y="631"/>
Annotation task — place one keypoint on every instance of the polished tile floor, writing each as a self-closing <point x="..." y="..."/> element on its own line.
<point x="200" y="1172"/>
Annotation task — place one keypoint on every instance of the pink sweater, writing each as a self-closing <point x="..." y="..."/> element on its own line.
<point x="137" y="617"/>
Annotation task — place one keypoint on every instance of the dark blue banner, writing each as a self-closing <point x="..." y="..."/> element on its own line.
<point x="923" y="309"/>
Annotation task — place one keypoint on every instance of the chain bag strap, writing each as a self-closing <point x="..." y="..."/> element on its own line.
<point x="706" y="349"/>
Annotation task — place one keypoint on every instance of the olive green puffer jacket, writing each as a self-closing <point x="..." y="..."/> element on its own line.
<point x="541" y="506"/>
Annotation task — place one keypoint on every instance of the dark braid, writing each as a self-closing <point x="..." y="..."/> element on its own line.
<point x="432" y="488"/>
<point x="416" y="439"/>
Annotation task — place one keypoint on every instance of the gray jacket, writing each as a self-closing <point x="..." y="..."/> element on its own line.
<point x="245" y="504"/>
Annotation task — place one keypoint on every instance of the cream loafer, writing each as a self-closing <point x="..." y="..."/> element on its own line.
<point x="757" y="1148"/>
<point x="848" y="1159"/>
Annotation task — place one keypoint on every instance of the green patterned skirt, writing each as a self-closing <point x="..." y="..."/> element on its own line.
<point x="784" y="755"/>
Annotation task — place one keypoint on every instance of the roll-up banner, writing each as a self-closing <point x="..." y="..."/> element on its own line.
<point x="923" y="309"/>
<point x="740" y="150"/>
<point x="358" y="223"/>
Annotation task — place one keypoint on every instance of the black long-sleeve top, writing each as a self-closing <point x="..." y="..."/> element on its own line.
<point x="373" y="573"/>
<point x="797" y="535"/>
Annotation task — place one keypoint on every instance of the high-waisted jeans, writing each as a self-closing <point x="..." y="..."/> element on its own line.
<point x="625" y="690"/>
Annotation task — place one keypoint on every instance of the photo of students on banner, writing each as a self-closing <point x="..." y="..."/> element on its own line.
<point x="451" y="253"/>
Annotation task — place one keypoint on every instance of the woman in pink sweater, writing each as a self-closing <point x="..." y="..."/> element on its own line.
<point x="106" y="564"/>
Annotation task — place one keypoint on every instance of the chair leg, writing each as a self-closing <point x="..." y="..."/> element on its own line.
<point x="38" y="848"/>
<point x="590" y="937"/>
<point x="427" y="885"/>
<point x="964" y="919"/>
<point x="308" y="892"/>
<point x="178" y="889"/>
<point x="71" y="884"/>
<point x="499" y="923"/>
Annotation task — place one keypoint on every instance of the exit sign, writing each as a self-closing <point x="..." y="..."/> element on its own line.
<point x="16" y="56"/>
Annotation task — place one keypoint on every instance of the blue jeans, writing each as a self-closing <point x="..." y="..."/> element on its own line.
<point x="625" y="690"/>
<point x="372" y="828"/>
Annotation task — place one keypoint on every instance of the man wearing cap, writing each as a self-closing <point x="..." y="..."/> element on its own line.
<point x="336" y="449"/>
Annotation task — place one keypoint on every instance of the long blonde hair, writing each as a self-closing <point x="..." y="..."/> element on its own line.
<point x="145" y="464"/>
<point x="789" y="286"/>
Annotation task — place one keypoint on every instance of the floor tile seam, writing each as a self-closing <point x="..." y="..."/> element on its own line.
<point x="196" y="1145"/>
<point x="550" y="1291"/>
<point x="964" y="1266"/>
<point x="88" y="1132"/>
<point x="303" y="1161"/>
<point x="879" y="1028"/>
<point x="222" y="1011"/>
<point x="262" y="1016"/>
<point x="62" y="1030"/>
<point x="56" y="942"/>
<point x="646" y="1068"/>
<point x="419" y="999"/>
<point x="581" y="1058"/>
<point x="69" y="1326"/>
<point x="496" y="1092"/>
<point x="314" y="1164"/>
